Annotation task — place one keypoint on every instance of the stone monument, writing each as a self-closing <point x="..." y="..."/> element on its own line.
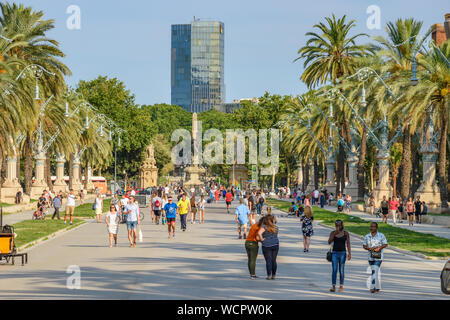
<point x="194" y="171"/>
<point x="429" y="189"/>
<point x="148" y="172"/>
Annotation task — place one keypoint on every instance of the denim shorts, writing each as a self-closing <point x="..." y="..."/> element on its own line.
<point x="131" y="225"/>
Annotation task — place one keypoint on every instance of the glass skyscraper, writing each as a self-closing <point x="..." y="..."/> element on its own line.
<point x="197" y="65"/>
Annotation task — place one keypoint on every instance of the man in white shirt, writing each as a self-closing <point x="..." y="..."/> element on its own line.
<point x="316" y="196"/>
<point x="132" y="211"/>
<point x="70" y="206"/>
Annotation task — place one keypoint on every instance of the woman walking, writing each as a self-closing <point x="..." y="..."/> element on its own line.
<point x="251" y="246"/>
<point x="341" y="240"/>
<point x="193" y="209"/>
<point x="372" y="205"/>
<point x="112" y="220"/>
<point x="375" y="242"/>
<point x="410" y="208"/>
<point x="348" y="203"/>
<point x="268" y="234"/>
<point x="307" y="228"/>
<point x="98" y="207"/>
<point x="201" y="209"/>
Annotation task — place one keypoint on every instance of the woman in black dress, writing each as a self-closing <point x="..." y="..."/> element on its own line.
<point x="307" y="228"/>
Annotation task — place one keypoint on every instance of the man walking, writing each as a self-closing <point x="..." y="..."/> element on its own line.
<point x="242" y="213"/>
<point x="133" y="220"/>
<point x="170" y="212"/>
<point x="70" y="206"/>
<point x="57" y="205"/>
<point x="184" y="207"/>
<point x="228" y="199"/>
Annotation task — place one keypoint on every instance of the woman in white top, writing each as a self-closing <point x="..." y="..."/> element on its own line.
<point x="99" y="207"/>
<point x="201" y="209"/>
<point x="112" y="220"/>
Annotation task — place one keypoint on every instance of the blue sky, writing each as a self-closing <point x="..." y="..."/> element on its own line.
<point x="130" y="39"/>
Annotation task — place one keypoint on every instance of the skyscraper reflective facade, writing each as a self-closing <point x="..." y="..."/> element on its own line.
<point x="197" y="65"/>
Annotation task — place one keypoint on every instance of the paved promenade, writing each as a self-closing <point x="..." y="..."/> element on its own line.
<point x="206" y="262"/>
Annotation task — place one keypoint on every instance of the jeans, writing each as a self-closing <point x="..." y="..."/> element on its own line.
<point x="375" y="266"/>
<point x="183" y="218"/>
<point x="252" y="252"/>
<point x="338" y="260"/>
<point x="56" y="213"/>
<point x="258" y="208"/>
<point x="270" y="254"/>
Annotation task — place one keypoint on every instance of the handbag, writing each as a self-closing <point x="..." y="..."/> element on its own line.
<point x="329" y="255"/>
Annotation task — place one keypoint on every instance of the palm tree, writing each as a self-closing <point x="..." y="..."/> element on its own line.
<point x="433" y="90"/>
<point x="328" y="58"/>
<point x="28" y="29"/>
<point x="398" y="49"/>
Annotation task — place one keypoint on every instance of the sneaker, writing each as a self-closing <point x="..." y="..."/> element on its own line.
<point x="273" y="277"/>
<point x="372" y="290"/>
<point x="304" y="250"/>
<point x="341" y="288"/>
<point x="253" y="277"/>
<point x="70" y="222"/>
<point x="268" y="278"/>
<point x="333" y="289"/>
<point x="64" y="222"/>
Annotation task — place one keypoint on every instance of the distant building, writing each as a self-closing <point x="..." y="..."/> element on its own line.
<point x="229" y="107"/>
<point x="441" y="32"/>
<point x="197" y="65"/>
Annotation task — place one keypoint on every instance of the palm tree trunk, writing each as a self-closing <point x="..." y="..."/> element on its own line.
<point x="361" y="160"/>
<point x="71" y="171"/>
<point x="316" y="174"/>
<point x="288" y="172"/>
<point x="415" y="172"/>
<point x="340" y="180"/>
<point x="86" y="169"/>
<point x="18" y="167"/>
<point x="443" y="156"/>
<point x="48" y="173"/>
<point x="406" y="164"/>
<point x="28" y="167"/>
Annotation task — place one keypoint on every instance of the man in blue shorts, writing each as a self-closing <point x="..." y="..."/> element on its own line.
<point x="133" y="220"/>
<point x="242" y="213"/>
<point x="170" y="211"/>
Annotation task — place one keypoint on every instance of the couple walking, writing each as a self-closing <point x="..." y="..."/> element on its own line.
<point x="266" y="232"/>
<point x="374" y="242"/>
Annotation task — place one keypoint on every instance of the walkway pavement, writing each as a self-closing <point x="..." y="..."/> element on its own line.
<point x="206" y="262"/>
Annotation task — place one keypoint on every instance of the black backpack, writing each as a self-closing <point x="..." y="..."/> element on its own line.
<point x="445" y="278"/>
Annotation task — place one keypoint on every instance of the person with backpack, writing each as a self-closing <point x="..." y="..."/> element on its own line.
<point x="260" y="203"/>
<point x="157" y="207"/>
<point x="340" y="240"/>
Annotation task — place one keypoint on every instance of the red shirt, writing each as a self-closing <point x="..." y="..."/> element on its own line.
<point x="393" y="205"/>
<point x="229" y="196"/>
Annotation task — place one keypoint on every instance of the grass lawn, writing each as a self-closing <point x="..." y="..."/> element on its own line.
<point x="86" y="211"/>
<point x="31" y="230"/>
<point x="427" y="244"/>
<point x="3" y="205"/>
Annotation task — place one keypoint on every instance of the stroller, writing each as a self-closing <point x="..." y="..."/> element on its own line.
<point x="39" y="214"/>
